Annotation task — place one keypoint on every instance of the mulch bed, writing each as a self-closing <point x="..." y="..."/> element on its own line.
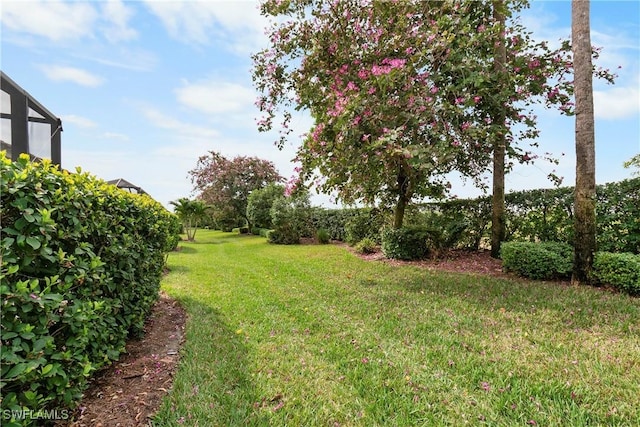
<point x="130" y="391"/>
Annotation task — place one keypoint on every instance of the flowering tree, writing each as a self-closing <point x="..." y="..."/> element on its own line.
<point x="404" y="92"/>
<point x="226" y="184"/>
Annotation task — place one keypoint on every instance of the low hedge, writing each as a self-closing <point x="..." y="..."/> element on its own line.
<point x="407" y="243"/>
<point x="81" y="267"/>
<point x="544" y="260"/>
<point x="620" y="270"/>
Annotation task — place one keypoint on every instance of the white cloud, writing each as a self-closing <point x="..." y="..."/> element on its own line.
<point x="617" y="102"/>
<point x="55" y="20"/>
<point x="78" y="76"/>
<point x="68" y="20"/>
<point x="238" y="24"/>
<point x="123" y="57"/>
<point x="79" y="121"/>
<point x="215" y="97"/>
<point x="183" y="131"/>
<point x="117" y="16"/>
<point x="115" y="135"/>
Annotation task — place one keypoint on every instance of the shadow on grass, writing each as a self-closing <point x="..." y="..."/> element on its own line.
<point x="213" y="384"/>
<point x="178" y="268"/>
<point x="186" y="249"/>
<point x="574" y="307"/>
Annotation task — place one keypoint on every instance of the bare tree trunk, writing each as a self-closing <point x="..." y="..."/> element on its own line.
<point x="401" y="204"/>
<point x="499" y="147"/>
<point x="585" y="192"/>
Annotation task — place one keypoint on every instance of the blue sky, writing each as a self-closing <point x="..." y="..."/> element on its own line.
<point x="146" y="87"/>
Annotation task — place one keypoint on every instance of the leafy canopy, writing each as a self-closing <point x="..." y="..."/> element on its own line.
<point x="225" y="184"/>
<point x="402" y="93"/>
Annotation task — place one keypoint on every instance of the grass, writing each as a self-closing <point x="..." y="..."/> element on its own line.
<point x="315" y="336"/>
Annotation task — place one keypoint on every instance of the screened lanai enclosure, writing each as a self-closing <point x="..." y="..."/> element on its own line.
<point x="27" y="126"/>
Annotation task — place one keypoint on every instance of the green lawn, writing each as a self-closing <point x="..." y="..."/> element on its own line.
<point x="315" y="336"/>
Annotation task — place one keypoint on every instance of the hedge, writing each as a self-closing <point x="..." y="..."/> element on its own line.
<point x="407" y="243"/>
<point x="81" y="267"/>
<point x="547" y="215"/>
<point x="619" y="270"/>
<point x="544" y="260"/>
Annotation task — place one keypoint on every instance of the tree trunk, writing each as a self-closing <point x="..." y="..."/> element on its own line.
<point x="585" y="190"/>
<point x="398" y="215"/>
<point x="500" y="143"/>
<point x="403" y="199"/>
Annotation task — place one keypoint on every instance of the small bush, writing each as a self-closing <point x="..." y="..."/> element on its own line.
<point x="365" y="223"/>
<point x="366" y="246"/>
<point x="264" y="232"/>
<point x="283" y="236"/>
<point x="620" y="270"/>
<point x="322" y="236"/>
<point x="408" y="243"/>
<point x="547" y="260"/>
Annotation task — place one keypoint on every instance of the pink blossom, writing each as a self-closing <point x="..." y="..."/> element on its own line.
<point x="378" y="70"/>
<point x="371" y="90"/>
<point x="363" y="74"/>
<point x="396" y="62"/>
<point x="434" y="89"/>
<point x="352" y="86"/>
<point x="477" y="99"/>
<point x="459" y="100"/>
<point x="465" y="126"/>
<point x="356" y="121"/>
<point x="456" y="143"/>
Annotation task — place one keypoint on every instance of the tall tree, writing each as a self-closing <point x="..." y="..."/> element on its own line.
<point x="226" y="184"/>
<point x="498" y="225"/>
<point x="404" y="92"/>
<point x="585" y="190"/>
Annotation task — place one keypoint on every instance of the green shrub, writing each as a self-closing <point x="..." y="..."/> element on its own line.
<point x="332" y="220"/>
<point x="291" y="219"/>
<point x="620" y="270"/>
<point x="365" y="223"/>
<point x="240" y="230"/>
<point x="407" y="243"/>
<point x="283" y="236"/>
<point x="366" y="246"/>
<point x="81" y="268"/>
<point x="546" y="260"/>
<point x="264" y="232"/>
<point x="322" y="236"/>
<point x="259" y="205"/>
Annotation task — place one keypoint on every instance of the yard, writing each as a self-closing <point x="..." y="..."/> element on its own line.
<point x="313" y="335"/>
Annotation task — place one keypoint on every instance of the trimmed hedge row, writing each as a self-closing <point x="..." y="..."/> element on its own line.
<point x="551" y="260"/>
<point x="81" y="267"/>
<point x="545" y="215"/>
